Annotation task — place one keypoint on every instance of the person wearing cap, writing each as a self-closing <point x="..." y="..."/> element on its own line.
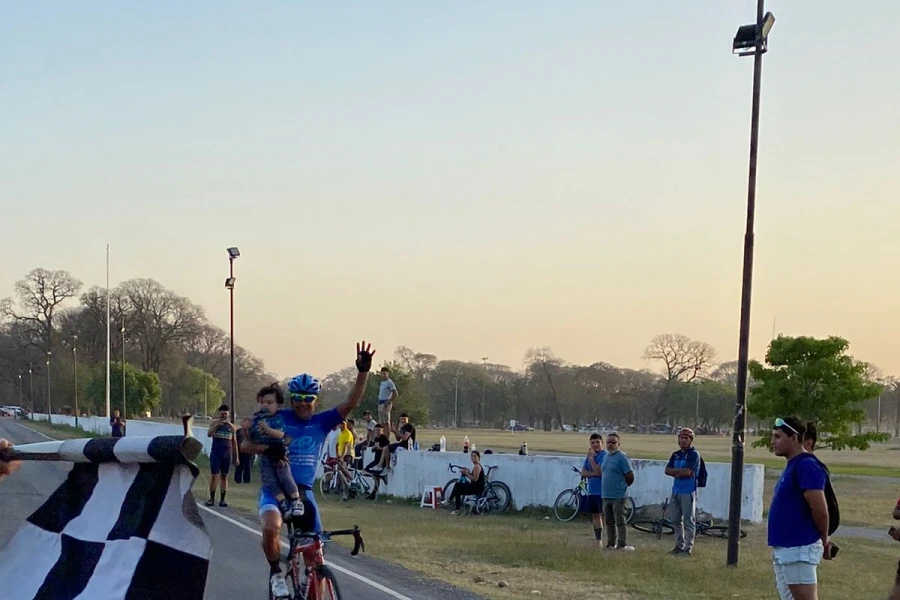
<point x="684" y="466"/>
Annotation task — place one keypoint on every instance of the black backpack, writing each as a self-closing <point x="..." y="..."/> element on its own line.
<point x="702" y="475"/>
<point x="834" y="511"/>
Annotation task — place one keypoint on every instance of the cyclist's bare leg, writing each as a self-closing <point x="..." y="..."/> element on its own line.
<point x="271" y="537"/>
<point x="213" y="485"/>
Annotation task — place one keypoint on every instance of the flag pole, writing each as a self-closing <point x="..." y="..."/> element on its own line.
<point x="108" y="413"/>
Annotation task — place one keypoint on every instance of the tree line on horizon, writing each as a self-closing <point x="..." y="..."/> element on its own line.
<point x="176" y="360"/>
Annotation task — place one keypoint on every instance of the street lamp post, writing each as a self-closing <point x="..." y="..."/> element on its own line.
<point x="31" y="387"/>
<point x="75" y="373"/>
<point x="49" y="405"/>
<point x="233" y="253"/>
<point x="124" y="403"/>
<point x="456" y="401"/>
<point x="20" y="389"/>
<point x="483" y="364"/>
<point x="749" y="40"/>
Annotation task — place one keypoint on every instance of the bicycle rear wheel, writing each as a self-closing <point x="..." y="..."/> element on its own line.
<point x="654" y="527"/>
<point x="718" y="531"/>
<point x="499" y="497"/>
<point x="629" y="510"/>
<point x="323" y="585"/>
<point x="566" y="506"/>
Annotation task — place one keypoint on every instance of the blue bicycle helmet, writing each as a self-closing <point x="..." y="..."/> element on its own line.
<point x="304" y="384"/>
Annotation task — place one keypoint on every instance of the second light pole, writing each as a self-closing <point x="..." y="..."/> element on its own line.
<point x="75" y="373"/>
<point x="233" y="253"/>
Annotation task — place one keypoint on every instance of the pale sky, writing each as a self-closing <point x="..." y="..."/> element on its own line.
<point x="466" y="178"/>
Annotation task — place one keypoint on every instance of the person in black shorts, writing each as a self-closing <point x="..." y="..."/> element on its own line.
<point x="224" y="452"/>
<point x="592" y="470"/>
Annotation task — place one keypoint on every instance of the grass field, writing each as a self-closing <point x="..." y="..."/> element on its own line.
<point x="558" y="560"/>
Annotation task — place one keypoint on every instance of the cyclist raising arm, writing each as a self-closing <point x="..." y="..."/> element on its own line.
<point x="7" y="468"/>
<point x="307" y="431"/>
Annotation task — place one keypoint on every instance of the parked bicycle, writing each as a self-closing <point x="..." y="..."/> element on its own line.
<point x="662" y="526"/>
<point x="496" y="496"/>
<point x="362" y="483"/>
<point x="572" y="502"/>
<point x="314" y="579"/>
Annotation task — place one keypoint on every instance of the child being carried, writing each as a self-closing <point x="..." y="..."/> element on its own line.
<point x="277" y="479"/>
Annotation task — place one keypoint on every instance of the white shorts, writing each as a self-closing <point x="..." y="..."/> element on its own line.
<point x="796" y="566"/>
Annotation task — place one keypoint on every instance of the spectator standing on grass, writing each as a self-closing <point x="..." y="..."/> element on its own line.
<point x="224" y="451"/>
<point x="245" y="461"/>
<point x="684" y="467"/>
<point x="387" y="393"/>
<point x="798" y="515"/>
<point x="117" y="425"/>
<point x="592" y="470"/>
<point x="617" y="476"/>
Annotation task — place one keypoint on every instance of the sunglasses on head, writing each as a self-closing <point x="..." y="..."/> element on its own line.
<point x="307" y="398"/>
<point x="779" y="422"/>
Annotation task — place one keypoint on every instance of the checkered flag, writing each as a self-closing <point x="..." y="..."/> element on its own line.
<point x="123" y="526"/>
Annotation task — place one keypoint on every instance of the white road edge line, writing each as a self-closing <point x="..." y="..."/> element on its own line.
<point x="334" y="566"/>
<point x="236" y="523"/>
<point x="35" y="432"/>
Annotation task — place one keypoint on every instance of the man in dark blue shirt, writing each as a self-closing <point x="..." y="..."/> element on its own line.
<point x="798" y="515"/>
<point x="594" y="474"/>
<point x="684" y="465"/>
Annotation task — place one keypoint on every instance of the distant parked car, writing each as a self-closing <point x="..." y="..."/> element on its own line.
<point x="5" y="412"/>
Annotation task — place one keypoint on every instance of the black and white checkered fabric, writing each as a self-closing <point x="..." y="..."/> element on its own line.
<point x="123" y="526"/>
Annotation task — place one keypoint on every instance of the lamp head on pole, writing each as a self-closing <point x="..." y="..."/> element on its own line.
<point x="229" y="283"/>
<point x="233" y="253"/>
<point x="754" y="38"/>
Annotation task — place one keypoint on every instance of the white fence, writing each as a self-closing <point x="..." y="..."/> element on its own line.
<point x="534" y="480"/>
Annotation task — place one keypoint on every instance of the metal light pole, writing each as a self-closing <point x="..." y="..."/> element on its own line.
<point x="49" y="406"/>
<point x="233" y="253"/>
<point x="31" y="387"/>
<point x="483" y="364"/>
<point x="456" y="401"/>
<point x="124" y="403"/>
<point x="75" y="373"/>
<point x="749" y="40"/>
<point x="20" y="390"/>
<point x="697" y="409"/>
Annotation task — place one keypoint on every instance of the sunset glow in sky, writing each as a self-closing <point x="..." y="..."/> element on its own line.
<point x="468" y="179"/>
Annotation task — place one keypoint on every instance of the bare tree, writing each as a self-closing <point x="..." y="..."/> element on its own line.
<point x="684" y="360"/>
<point x="40" y="296"/>
<point x="161" y="319"/>
<point x="418" y="363"/>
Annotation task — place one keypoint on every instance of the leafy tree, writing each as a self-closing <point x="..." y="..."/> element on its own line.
<point x="816" y="380"/>
<point x="197" y="391"/>
<point x="142" y="390"/>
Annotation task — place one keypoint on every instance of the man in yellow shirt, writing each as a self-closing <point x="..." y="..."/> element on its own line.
<point x="345" y="451"/>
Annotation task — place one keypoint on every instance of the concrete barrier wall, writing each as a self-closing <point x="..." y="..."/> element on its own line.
<point x="534" y="480"/>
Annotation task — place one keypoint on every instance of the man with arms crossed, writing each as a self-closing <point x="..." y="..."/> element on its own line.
<point x="798" y="515"/>
<point x="307" y="431"/>
<point x="684" y="466"/>
<point x="594" y="474"/>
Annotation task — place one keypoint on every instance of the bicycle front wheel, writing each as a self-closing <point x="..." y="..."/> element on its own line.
<point x="718" y="531"/>
<point x="654" y="527"/>
<point x="499" y="497"/>
<point x="448" y="489"/>
<point x="566" y="506"/>
<point x="323" y="585"/>
<point x="329" y="486"/>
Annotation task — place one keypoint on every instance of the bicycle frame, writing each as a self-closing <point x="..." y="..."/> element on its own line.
<point x="310" y="546"/>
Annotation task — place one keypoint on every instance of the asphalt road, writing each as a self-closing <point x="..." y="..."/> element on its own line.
<point x="238" y="569"/>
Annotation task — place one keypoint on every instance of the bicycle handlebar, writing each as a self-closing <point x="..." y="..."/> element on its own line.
<point x="358" y="543"/>
<point x="576" y="470"/>
<point x="453" y="468"/>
